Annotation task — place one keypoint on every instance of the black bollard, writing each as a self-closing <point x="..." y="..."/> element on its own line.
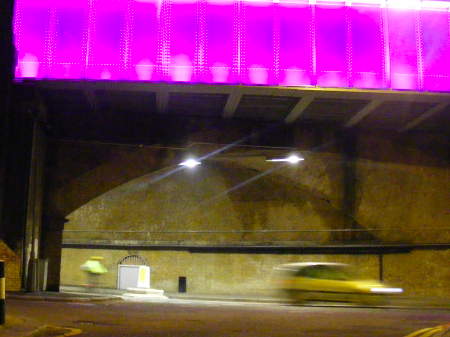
<point x="182" y="284"/>
<point x="2" y="292"/>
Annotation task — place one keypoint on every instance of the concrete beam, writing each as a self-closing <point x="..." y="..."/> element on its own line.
<point x="333" y="93"/>
<point x="298" y="109"/>
<point x="430" y="112"/>
<point x="232" y="103"/>
<point x="361" y="114"/>
<point x="162" y="101"/>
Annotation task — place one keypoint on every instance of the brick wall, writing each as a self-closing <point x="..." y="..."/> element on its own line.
<point x="209" y="273"/>
<point x="12" y="267"/>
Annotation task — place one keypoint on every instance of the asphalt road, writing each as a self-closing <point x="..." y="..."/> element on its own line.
<point x="189" y="318"/>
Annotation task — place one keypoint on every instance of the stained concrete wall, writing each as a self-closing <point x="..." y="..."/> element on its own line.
<point x="403" y="186"/>
<point x="395" y="203"/>
<point x="290" y="198"/>
<point x="408" y="202"/>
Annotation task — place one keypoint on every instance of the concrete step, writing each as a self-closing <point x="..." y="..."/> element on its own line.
<point x="146" y="291"/>
<point x="144" y="295"/>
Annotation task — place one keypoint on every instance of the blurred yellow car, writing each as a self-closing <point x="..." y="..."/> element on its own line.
<point x="324" y="281"/>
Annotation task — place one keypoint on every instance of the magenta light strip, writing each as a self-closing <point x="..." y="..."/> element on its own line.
<point x="371" y="44"/>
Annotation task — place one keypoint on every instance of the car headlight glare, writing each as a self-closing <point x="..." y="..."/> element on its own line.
<point x="386" y="290"/>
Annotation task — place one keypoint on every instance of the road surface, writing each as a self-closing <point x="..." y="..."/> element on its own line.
<point x="190" y="318"/>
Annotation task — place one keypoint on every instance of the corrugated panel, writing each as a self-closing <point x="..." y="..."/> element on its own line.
<point x="60" y="101"/>
<point x="395" y="115"/>
<point x="126" y="101"/>
<point x="332" y="110"/>
<point x="265" y="107"/>
<point x="437" y="122"/>
<point x="197" y="104"/>
<point x="68" y="111"/>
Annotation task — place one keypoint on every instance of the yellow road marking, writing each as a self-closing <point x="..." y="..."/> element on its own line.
<point x="73" y="332"/>
<point x="427" y="332"/>
<point x="65" y="332"/>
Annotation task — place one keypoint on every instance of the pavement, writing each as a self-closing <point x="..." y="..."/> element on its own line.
<point x="105" y="295"/>
<point x="83" y="294"/>
<point x="61" y="296"/>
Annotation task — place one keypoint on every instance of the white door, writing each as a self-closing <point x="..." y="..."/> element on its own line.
<point x="128" y="276"/>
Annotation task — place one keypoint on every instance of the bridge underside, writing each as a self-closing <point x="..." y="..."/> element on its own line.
<point x="81" y="108"/>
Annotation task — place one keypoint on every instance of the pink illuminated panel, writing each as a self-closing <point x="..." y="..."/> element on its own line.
<point x="296" y="41"/>
<point x="332" y="40"/>
<point x="367" y="61"/>
<point x="404" y="43"/>
<point x="373" y="44"/>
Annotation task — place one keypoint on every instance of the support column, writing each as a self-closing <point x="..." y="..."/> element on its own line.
<point x="349" y="144"/>
<point x="34" y="207"/>
<point x="52" y="235"/>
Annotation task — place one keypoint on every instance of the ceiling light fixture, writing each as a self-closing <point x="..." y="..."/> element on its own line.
<point x="190" y="163"/>
<point x="293" y="159"/>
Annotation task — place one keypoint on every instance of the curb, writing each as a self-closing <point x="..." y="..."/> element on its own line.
<point x="312" y="304"/>
<point x="213" y="298"/>
<point x="62" y="299"/>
